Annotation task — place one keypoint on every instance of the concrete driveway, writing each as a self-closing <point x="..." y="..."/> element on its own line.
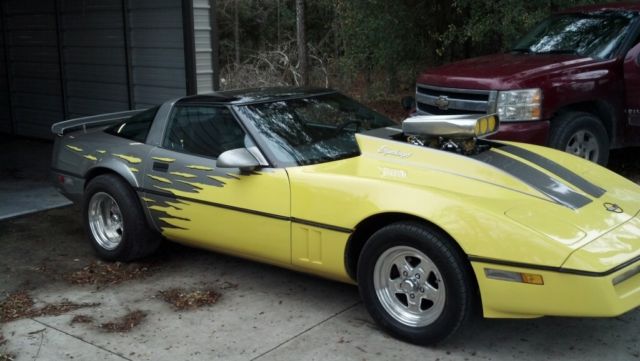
<point x="262" y="313"/>
<point x="25" y="186"/>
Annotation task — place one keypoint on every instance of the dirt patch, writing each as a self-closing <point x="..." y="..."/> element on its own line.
<point x="81" y="319"/>
<point x="20" y="305"/>
<point x="186" y="300"/>
<point x="101" y="273"/>
<point x="3" y="355"/>
<point x="122" y="324"/>
<point x="61" y="308"/>
<point x="7" y="357"/>
<point x="125" y="323"/>
<point x="38" y="249"/>
<point x="15" y="306"/>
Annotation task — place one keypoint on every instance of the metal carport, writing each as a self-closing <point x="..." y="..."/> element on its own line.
<point x="61" y="59"/>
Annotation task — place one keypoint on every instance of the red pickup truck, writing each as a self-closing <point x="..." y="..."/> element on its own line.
<point x="572" y="83"/>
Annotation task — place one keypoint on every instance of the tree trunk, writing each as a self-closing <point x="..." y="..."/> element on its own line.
<point x="278" y="22"/>
<point x="236" y="31"/>
<point x="303" y="60"/>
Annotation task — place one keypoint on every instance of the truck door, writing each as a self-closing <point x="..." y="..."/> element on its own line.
<point x="632" y="89"/>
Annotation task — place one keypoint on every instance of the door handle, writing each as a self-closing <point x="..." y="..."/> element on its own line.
<point x="160" y="167"/>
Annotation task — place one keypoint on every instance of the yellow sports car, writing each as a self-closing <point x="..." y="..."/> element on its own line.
<point x="428" y="218"/>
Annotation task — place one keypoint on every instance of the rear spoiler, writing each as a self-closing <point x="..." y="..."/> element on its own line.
<point x="83" y="123"/>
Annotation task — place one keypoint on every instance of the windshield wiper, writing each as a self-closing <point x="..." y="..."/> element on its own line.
<point x="521" y="50"/>
<point x="558" y="51"/>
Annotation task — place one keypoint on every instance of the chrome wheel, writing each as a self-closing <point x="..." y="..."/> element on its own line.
<point x="409" y="286"/>
<point x="105" y="221"/>
<point x="585" y="145"/>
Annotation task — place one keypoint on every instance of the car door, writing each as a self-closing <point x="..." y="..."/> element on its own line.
<point x="194" y="202"/>
<point x="632" y="89"/>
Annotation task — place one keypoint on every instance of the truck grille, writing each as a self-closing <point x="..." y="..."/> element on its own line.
<point x="451" y="101"/>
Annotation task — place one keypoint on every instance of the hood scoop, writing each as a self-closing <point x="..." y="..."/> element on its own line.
<point x="453" y="133"/>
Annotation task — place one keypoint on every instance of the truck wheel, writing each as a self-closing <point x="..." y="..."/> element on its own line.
<point x="581" y="134"/>
<point x="414" y="283"/>
<point x="115" y="222"/>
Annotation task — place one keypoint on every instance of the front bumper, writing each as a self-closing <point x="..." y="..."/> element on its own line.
<point x="563" y="294"/>
<point x="534" y="132"/>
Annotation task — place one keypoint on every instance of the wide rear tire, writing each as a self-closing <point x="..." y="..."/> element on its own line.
<point x="115" y="222"/>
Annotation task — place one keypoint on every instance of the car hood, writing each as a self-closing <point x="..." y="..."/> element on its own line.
<point x="500" y="71"/>
<point x="561" y="196"/>
<point x="494" y="210"/>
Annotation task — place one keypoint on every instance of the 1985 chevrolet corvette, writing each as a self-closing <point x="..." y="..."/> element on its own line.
<point x="428" y="218"/>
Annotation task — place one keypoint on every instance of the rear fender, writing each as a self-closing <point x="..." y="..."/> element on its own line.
<point x="115" y="166"/>
<point x="123" y="170"/>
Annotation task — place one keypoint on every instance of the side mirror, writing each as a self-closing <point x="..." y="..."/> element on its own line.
<point x="408" y="103"/>
<point x="238" y="158"/>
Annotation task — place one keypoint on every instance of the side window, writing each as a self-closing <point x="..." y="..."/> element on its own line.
<point x="206" y="131"/>
<point x="135" y="128"/>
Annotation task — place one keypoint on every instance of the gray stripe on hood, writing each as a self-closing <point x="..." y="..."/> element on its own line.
<point x="555" y="168"/>
<point x="544" y="183"/>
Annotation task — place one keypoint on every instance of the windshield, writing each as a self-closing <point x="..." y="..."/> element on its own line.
<point x="312" y="130"/>
<point x="596" y="35"/>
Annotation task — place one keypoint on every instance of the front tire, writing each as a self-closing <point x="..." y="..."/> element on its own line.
<point x="414" y="283"/>
<point x="581" y="134"/>
<point x="115" y="222"/>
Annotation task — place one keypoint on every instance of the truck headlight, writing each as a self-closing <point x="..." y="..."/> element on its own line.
<point x="516" y="105"/>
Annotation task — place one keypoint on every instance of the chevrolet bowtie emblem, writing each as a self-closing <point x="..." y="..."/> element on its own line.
<point x="611" y="207"/>
<point x="442" y="102"/>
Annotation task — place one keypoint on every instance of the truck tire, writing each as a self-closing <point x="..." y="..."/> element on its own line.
<point x="414" y="283"/>
<point x="581" y="134"/>
<point x="115" y="222"/>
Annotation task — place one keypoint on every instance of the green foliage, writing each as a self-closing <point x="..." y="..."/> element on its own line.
<point x="376" y="36"/>
<point x="494" y="25"/>
<point x="384" y="42"/>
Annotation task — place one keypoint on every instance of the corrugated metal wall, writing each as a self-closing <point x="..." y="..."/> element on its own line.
<point x="69" y="58"/>
<point x="157" y="51"/>
<point x="34" y="65"/>
<point x="93" y="44"/>
<point x="5" y="109"/>
<point x="202" y="35"/>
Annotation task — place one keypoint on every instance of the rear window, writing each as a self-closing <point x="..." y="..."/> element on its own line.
<point x="135" y="128"/>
